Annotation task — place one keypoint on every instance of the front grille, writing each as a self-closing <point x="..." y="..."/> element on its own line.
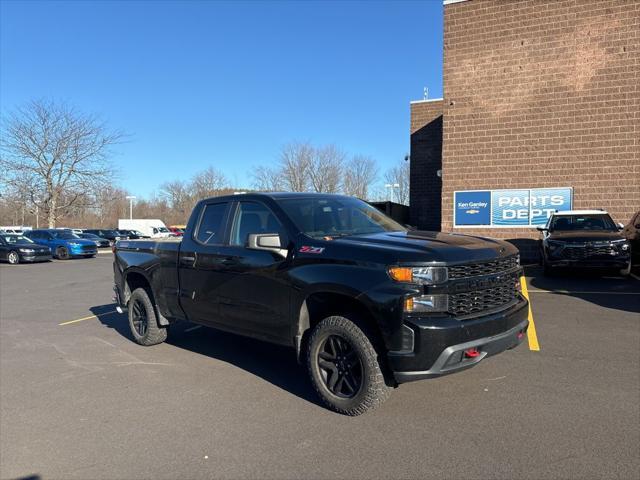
<point x="483" y="268"/>
<point x="581" y="253"/>
<point x="476" y="302"/>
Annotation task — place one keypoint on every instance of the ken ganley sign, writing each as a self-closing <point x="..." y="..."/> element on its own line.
<point x="509" y="208"/>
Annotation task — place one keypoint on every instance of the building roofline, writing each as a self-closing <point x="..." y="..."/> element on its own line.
<point x="426" y="100"/>
<point x="449" y="2"/>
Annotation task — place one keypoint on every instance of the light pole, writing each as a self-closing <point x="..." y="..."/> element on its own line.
<point x="390" y="187"/>
<point x="131" y="198"/>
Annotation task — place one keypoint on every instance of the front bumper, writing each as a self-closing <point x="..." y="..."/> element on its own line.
<point x="80" y="251"/>
<point x="619" y="262"/>
<point x="439" y="345"/>
<point x="25" y="257"/>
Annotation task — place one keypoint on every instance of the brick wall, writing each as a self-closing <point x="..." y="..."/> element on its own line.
<point x="426" y="159"/>
<point x="543" y="94"/>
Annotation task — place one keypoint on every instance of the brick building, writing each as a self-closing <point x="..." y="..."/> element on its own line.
<point x="537" y="94"/>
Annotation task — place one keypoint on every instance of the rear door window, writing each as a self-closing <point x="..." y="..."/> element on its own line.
<point x="211" y="226"/>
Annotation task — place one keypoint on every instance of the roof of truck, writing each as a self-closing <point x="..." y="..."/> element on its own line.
<point x="581" y="212"/>
<point x="280" y="195"/>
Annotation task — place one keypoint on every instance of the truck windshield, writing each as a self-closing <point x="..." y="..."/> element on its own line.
<point x="582" y="222"/>
<point x="337" y="217"/>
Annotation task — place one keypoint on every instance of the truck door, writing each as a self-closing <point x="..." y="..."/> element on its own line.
<point x="254" y="289"/>
<point x="200" y="263"/>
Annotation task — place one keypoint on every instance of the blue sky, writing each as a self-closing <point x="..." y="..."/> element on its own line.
<point x="226" y="84"/>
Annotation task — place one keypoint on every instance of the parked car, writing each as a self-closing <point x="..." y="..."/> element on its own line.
<point x="584" y="239"/>
<point x="178" y="232"/>
<point x="631" y="232"/>
<point x="365" y="302"/>
<point x="132" y="234"/>
<point x="150" y="227"/>
<point x="111" y="235"/>
<point x="15" y="229"/>
<point x="63" y="243"/>
<point x="99" y="241"/>
<point x="18" y="248"/>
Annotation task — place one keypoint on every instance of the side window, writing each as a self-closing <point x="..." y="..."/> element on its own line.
<point x="250" y="218"/>
<point x="210" y="229"/>
<point x="155" y="230"/>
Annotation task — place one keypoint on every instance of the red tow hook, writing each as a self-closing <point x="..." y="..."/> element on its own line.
<point x="471" y="353"/>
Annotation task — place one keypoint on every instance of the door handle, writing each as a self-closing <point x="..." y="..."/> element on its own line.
<point x="188" y="260"/>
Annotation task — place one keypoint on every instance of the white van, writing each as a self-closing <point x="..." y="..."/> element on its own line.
<point x="153" y="228"/>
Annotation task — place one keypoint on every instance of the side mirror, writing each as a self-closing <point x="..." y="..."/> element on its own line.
<point x="270" y="242"/>
<point x="620" y="226"/>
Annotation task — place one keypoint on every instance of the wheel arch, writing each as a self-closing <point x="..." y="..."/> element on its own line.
<point x="136" y="278"/>
<point x="320" y="304"/>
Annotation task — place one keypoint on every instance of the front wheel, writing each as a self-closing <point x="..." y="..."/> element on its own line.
<point x="344" y="367"/>
<point x="13" y="258"/>
<point x="62" y="253"/>
<point x="143" y="321"/>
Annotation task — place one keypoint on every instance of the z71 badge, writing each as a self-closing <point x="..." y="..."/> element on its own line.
<point x="310" y="249"/>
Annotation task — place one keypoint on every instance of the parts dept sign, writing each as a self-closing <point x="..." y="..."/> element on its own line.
<point x="509" y="208"/>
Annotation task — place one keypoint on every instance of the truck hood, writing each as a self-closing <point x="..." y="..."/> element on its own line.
<point x="585" y="236"/>
<point x="423" y="246"/>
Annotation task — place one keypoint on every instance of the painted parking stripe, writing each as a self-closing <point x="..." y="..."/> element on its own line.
<point x="532" y="336"/>
<point x="86" y="318"/>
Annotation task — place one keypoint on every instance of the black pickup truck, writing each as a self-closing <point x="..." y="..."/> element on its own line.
<point x="366" y="303"/>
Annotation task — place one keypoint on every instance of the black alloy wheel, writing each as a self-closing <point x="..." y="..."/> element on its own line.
<point x="340" y="367"/>
<point x="139" y="319"/>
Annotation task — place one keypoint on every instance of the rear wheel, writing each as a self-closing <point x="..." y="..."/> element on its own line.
<point x="62" y="253"/>
<point x="13" y="258"/>
<point x="344" y="367"/>
<point x="143" y="321"/>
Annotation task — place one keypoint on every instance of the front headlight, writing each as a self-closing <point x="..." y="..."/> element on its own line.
<point x="97" y="243"/>
<point x="426" y="304"/>
<point x="75" y="244"/>
<point x="419" y="275"/>
<point x="26" y="250"/>
<point x="621" y="244"/>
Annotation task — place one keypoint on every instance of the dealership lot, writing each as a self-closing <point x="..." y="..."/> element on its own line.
<point x="79" y="399"/>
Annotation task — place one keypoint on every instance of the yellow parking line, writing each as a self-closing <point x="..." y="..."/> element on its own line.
<point x="85" y="318"/>
<point x="570" y="292"/>
<point x="532" y="337"/>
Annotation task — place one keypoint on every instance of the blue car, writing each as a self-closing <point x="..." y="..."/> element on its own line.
<point x="64" y="244"/>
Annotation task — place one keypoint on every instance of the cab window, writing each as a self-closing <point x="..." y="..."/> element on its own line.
<point x="211" y="228"/>
<point x="253" y="217"/>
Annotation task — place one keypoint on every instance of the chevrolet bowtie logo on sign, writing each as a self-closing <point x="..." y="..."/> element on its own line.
<point x="509" y="208"/>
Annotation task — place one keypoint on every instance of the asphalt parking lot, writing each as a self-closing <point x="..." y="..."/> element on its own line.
<point x="79" y="399"/>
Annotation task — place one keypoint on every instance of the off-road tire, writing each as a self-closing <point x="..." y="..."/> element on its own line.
<point x="62" y="253"/>
<point x="154" y="334"/>
<point x="373" y="390"/>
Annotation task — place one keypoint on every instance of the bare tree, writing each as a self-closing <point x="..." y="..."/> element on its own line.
<point x="57" y="154"/>
<point x="359" y="174"/>
<point x="295" y="162"/>
<point x="178" y="195"/>
<point x="399" y="175"/>
<point x="325" y="169"/>
<point x="268" y="179"/>
<point x="207" y="183"/>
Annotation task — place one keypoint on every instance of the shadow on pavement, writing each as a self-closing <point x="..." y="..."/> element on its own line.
<point x="613" y="292"/>
<point x="273" y="363"/>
